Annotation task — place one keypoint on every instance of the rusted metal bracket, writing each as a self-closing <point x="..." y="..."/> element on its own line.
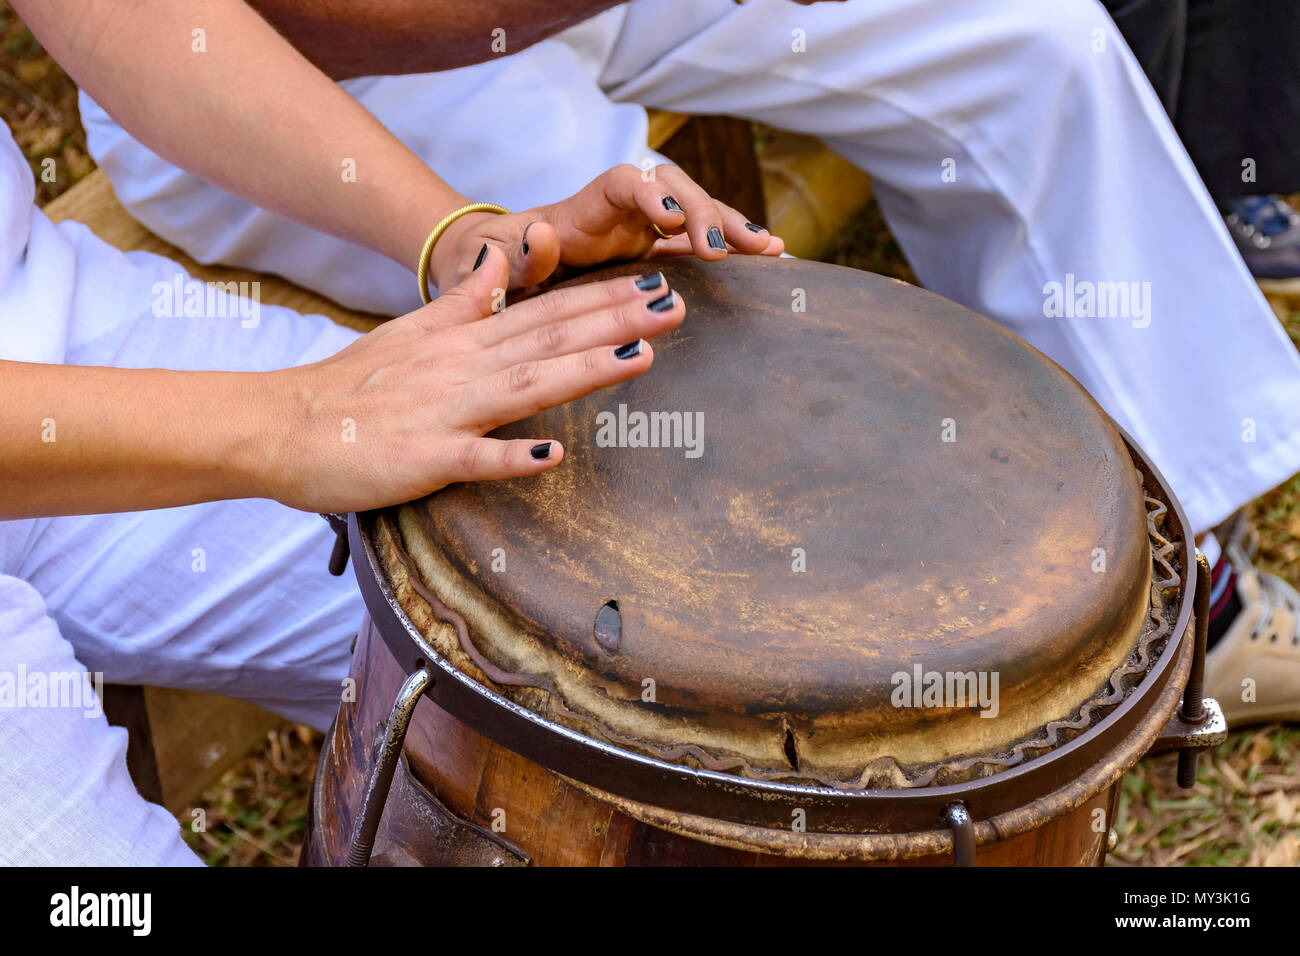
<point x="381" y="777"/>
<point x="1183" y="736"/>
<point x="963" y="834"/>
<point x="420" y="830"/>
<point x="339" y="556"/>
<point x="1198" y="724"/>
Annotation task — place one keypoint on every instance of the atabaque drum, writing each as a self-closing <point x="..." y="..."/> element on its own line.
<point x="851" y="575"/>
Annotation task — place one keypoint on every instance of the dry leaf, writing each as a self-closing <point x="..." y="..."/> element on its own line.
<point x="31" y="72"/>
<point x="1230" y="776"/>
<point x="1285" y="853"/>
<point x="1281" y="807"/>
<point x="1261" y="748"/>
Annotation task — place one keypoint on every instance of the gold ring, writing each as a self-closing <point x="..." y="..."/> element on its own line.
<point x="662" y="234"/>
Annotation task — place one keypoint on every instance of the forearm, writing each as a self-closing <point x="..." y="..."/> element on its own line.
<point x="348" y="38"/>
<point x="248" y="113"/>
<point x="89" y="440"/>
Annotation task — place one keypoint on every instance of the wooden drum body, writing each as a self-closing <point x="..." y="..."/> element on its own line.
<point x="904" y="595"/>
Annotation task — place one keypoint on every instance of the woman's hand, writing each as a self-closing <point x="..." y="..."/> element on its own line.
<point x="402" y="411"/>
<point x="611" y="219"/>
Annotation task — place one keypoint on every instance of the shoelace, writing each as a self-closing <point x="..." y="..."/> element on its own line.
<point x="1275" y="593"/>
<point x="1280" y="594"/>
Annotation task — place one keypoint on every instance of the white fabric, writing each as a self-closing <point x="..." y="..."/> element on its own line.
<point x="232" y="597"/>
<point x="1210" y="548"/>
<point x="1065" y="164"/>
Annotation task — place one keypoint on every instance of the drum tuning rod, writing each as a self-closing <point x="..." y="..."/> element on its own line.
<point x="963" y="834"/>
<point x="1193" y="711"/>
<point x="381" y="777"/>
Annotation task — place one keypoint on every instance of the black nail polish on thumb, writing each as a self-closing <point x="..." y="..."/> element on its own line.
<point x="524" y="238"/>
<point x="541" y="451"/>
<point x="482" y="254"/>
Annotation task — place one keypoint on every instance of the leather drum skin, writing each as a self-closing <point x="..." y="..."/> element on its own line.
<point x="845" y="535"/>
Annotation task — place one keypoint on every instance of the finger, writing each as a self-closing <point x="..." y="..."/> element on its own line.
<point x="523" y="390"/>
<point x="681" y="246"/>
<point x="608" y="198"/>
<point x="478" y="294"/>
<point x="490" y="459"/>
<point x="704" y="218"/>
<point x="739" y="234"/>
<point x="626" y="321"/>
<point x="532" y="247"/>
<point x="745" y="236"/>
<point x="534" y="253"/>
<point x="569" y="302"/>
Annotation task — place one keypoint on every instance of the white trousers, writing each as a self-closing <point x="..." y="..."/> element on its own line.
<point x="1013" y="145"/>
<point x="231" y="597"/>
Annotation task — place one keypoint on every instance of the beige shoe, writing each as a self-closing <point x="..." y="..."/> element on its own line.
<point x="1254" y="669"/>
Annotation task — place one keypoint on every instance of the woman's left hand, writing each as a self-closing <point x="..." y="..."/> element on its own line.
<point x="611" y="219"/>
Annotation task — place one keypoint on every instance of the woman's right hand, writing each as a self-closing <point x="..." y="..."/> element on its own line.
<point x="402" y="411"/>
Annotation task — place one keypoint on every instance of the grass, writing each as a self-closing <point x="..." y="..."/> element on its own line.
<point x="256" y="814"/>
<point x="39" y="104"/>
<point x="1244" y="810"/>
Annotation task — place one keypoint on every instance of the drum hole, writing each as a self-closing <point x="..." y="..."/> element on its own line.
<point x="791" y="754"/>
<point x="608" y="629"/>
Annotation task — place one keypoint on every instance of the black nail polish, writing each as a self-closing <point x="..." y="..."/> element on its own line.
<point x="541" y="451"/>
<point x="671" y="204"/>
<point x="631" y="350"/>
<point x="661" y="304"/>
<point x="754" y="227"/>
<point x="715" y="238"/>
<point x="646" y="283"/>
<point x="524" y="238"/>
<point x="482" y="254"/>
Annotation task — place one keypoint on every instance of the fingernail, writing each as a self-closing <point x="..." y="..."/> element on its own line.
<point x="482" y="254"/>
<point x="671" y="204"/>
<point x="754" y="227"/>
<point x="524" y="237"/>
<point x="715" y="238"/>
<point x="631" y="350"/>
<point x="541" y="451"/>
<point x="646" y="283"/>
<point x="661" y="304"/>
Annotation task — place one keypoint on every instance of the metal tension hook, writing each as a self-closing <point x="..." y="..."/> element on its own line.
<point x="381" y="777"/>
<point x="963" y="834"/>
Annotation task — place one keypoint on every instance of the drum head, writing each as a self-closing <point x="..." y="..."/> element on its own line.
<point x="830" y="489"/>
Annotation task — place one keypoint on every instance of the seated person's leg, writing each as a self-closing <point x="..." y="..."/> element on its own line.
<point x="228" y="597"/>
<point x="66" y="798"/>
<point x="232" y="596"/>
<point x="1010" y="144"/>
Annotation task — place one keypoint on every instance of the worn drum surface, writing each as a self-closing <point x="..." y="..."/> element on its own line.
<point x="813" y="579"/>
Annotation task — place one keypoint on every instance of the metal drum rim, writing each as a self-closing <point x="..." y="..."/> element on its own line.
<point x="676" y="787"/>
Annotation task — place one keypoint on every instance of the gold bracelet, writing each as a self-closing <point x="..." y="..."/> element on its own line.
<point x="422" y="273"/>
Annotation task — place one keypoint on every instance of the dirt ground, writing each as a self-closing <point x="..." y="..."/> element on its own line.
<point x="1244" y="810"/>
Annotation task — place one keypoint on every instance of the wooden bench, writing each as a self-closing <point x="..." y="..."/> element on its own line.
<point x="182" y="741"/>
